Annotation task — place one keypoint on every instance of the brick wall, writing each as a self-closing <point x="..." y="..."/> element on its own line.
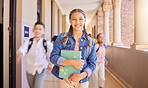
<point x="100" y="24"/>
<point x="127" y="23"/>
<point x="111" y="25"/>
<point x="127" y="20"/>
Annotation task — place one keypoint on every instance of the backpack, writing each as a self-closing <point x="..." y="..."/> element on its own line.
<point x="99" y="47"/>
<point x="31" y="42"/>
<point x="88" y="48"/>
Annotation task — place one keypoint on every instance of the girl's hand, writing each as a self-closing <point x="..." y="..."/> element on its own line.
<point x="106" y="62"/>
<point x="78" y="64"/>
<point x="50" y="67"/>
<point x="75" y="77"/>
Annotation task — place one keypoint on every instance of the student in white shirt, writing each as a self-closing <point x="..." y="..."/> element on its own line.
<point x="37" y="56"/>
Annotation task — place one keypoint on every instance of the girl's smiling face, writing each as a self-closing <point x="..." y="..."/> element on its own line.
<point x="77" y="20"/>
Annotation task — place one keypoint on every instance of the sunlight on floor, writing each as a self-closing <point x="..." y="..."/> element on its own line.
<point x="52" y="82"/>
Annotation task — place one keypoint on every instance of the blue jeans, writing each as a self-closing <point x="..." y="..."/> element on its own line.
<point x="37" y="80"/>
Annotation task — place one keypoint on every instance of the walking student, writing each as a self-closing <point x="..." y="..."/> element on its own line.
<point x="97" y="79"/>
<point x="37" y="51"/>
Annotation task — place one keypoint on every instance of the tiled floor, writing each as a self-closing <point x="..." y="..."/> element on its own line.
<point x="52" y="82"/>
<point x="110" y="82"/>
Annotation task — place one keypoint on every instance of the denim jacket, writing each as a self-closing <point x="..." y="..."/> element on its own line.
<point x="89" y="63"/>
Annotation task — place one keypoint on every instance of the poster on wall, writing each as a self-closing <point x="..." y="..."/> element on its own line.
<point x="26" y="31"/>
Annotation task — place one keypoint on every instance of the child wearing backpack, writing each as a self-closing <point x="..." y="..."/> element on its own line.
<point x="97" y="79"/>
<point x="37" y="51"/>
<point x="76" y="39"/>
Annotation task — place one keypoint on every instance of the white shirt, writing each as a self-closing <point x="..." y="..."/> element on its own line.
<point x="36" y="59"/>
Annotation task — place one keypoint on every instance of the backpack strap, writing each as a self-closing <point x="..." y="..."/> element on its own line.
<point x="104" y="45"/>
<point x="30" y="44"/>
<point x="45" y="45"/>
<point x="99" y="47"/>
<point x="64" y="44"/>
<point x="89" y="48"/>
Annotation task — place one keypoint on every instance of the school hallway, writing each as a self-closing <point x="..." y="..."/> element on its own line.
<point x="110" y="82"/>
<point x="124" y="24"/>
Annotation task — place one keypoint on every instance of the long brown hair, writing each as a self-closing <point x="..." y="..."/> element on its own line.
<point x="71" y="28"/>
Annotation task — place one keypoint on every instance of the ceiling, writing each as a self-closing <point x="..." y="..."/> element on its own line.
<point x="89" y="6"/>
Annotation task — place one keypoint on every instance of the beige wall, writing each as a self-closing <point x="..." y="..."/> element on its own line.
<point x="29" y="11"/>
<point x="6" y="44"/>
<point x="65" y="25"/>
<point x="57" y="19"/>
<point x="89" y="28"/>
<point x="92" y="25"/>
<point x="46" y="18"/>
<point x="59" y="22"/>
<point x="130" y="66"/>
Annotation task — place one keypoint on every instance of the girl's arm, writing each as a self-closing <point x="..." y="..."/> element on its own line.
<point x="78" y="63"/>
<point x="91" y="60"/>
<point x="55" y="57"/>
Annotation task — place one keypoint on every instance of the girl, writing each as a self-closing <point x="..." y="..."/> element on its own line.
<point x="37" y="50"/>
<point x="76" y="39"/>
<point x="99" y="73"/>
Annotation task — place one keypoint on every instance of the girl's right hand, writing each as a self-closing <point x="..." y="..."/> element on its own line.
<point x="78" y="64"/>
<point x="106" y="62"/>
